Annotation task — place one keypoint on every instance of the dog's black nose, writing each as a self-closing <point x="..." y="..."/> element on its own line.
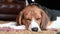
<point x="35" y="29"/>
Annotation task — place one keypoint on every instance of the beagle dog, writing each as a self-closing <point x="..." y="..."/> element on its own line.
<point x="33" y="17"/>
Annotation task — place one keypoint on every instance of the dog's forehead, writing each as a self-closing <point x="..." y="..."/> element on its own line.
<point x="32" y="9"/>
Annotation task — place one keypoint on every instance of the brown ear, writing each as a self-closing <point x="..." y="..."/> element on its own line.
<point x="45" y="20"/>
<point x="19" y="18"/>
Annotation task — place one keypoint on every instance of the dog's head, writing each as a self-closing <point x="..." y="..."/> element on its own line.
<point x="33" y="17"/>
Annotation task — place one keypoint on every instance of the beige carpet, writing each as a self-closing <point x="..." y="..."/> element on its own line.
<point x="24" y="32"/>
<point x="27" y="32"/>
<point x="1" y="22"/>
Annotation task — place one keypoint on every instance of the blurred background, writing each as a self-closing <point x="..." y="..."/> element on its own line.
<point x="52" y="4"/>
<point x="9" y="9"/>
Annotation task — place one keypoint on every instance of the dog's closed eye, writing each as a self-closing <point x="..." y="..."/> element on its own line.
<point x="28" y="19"/>
<point x="38" y="18"/>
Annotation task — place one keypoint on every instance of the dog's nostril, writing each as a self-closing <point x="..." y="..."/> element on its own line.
<point x="35" y="29"/>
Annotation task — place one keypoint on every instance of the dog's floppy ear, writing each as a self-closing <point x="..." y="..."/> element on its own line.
<point x="19" y="18"/>
<point x="45" y="20"/>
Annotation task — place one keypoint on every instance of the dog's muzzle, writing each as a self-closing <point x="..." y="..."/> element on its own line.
<point x="34" y="26"/>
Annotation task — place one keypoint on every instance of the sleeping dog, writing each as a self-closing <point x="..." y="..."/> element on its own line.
<point x="34" y="17"/>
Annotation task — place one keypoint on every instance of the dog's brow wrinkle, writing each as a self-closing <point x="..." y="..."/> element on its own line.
<point x="31" y="10"/>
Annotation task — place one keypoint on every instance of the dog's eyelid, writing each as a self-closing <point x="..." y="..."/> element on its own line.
<point x="37" y="18"/>
<point x="28" y="19"/>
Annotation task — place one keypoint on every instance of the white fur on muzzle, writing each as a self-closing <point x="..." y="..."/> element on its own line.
<point x="34" y="24"/>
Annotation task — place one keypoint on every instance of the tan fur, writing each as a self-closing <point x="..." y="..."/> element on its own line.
<point x="26" y="12"/>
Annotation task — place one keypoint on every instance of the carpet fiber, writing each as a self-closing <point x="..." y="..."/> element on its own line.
<point x="26" y="32"/>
